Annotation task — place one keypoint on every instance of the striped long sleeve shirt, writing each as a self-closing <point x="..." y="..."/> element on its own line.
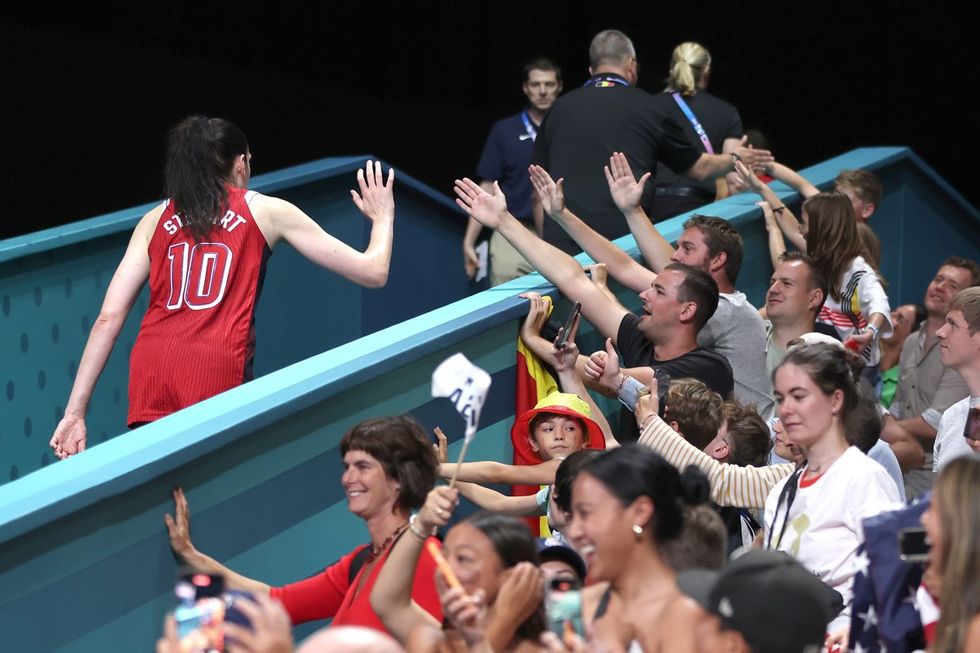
<point x="731" y="485"/>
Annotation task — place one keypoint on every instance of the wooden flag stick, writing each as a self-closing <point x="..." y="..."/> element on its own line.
<point x="462" y="454"/>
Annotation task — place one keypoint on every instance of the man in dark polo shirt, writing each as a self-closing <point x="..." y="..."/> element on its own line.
<point x="609" y="114"/>
<point x="679" y="302"/>
<point x="505" y="159"/>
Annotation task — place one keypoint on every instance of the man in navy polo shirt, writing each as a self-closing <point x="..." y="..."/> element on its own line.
<point x="505" y="159"/>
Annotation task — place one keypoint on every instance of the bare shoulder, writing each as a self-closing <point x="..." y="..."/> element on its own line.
<point x="271" y="214"/>
<point x="146" y="225"/>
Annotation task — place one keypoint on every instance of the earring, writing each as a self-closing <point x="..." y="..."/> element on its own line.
<point x="638" y="531"/>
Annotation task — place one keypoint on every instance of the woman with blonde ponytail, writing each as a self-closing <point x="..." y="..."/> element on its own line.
<point x="709" y="123"/>
<point x="689" y="67"/>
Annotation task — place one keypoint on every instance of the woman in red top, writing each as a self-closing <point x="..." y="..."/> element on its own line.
<point x="204" y="252"/>
<point x="389" y="466"/>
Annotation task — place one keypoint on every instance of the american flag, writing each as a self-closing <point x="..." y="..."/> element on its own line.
<point x="884" y="615"/>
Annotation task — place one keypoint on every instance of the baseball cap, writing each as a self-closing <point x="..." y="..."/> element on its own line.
<point x="768" y="597"/>
<point x="551" y="549"/>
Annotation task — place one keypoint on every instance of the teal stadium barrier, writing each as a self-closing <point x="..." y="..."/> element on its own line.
<point x="84" y="559"/>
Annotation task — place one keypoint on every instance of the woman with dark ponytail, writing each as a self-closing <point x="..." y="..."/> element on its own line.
<point x="626" y="504"/>
<point x="815" y="515"/>
<point x="204" y="252"/>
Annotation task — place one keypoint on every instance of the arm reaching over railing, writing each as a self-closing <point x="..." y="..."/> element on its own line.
<point x="777" y="246"/>
<point x="627" y="192"/>
<point x="790" y="226"/>
<point x="620" y="265"/>
<point x="555" y="265"/>
<point x="792" y="178"/>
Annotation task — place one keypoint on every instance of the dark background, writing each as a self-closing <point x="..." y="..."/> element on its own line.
<point x="88" y="94"/>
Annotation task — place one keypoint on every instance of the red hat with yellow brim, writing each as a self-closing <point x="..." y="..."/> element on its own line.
<point x="557" y="403"/>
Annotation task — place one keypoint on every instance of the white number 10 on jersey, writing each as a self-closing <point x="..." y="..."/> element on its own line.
<point x="198" y="277"/>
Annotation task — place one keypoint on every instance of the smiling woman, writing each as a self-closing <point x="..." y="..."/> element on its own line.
<point x="389" y="466"/>
<point x="491" y="559"/>
<point x="626" y="503"/>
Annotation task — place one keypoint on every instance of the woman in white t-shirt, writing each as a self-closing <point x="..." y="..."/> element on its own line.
<point x="816" y="514"/>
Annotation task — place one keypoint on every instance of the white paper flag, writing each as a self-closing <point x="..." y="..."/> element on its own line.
<point x="466" y="385"/>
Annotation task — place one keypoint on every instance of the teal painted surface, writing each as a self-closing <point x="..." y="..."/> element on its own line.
<point x="84" y="560"/>
<point x="52" y="284"/>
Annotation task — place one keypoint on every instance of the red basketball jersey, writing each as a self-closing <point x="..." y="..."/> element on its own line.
<point x="197" y="338"/>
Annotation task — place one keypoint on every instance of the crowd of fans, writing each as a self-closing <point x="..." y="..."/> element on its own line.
<point x="726" y="511"/>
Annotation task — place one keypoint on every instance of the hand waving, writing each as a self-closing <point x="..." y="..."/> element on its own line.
<point x="480" y="205"/>
<point x="551" y="194"/>
<point x="376" y="199"/>
<point x="626" y="191"/>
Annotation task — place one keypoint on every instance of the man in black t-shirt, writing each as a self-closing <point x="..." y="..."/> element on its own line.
<point x="610" y="114"/>
<point x="678" y="303"/>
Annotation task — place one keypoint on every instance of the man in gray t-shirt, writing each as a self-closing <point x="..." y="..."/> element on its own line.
<point x="736" y="330"/>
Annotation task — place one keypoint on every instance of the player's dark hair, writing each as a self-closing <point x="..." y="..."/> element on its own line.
<point x="832" y="238"/>
<point x="966" y="264"/>
<point x="201" y="152"/>
<point x="566" y="474"/>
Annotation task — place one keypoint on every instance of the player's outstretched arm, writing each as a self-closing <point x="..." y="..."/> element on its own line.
<point x="566" y="362"/>
<point x="557" y="267"/>
<point x="70" y="435"/>
<point x="282" y="220"/>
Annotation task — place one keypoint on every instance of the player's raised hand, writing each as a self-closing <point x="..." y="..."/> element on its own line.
<point x="376" y="199"/>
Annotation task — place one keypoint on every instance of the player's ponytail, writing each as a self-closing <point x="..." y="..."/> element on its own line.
<point x="200" y="154"/>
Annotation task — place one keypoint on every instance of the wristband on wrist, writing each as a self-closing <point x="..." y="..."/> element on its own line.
<point x="647" y="420"/>
<point x="620" y="386"/>
<point x="874" y="331"/>
<point x="629" y="392"/>
<point x="417" y="532"/>
<point x="779" y="209"/>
